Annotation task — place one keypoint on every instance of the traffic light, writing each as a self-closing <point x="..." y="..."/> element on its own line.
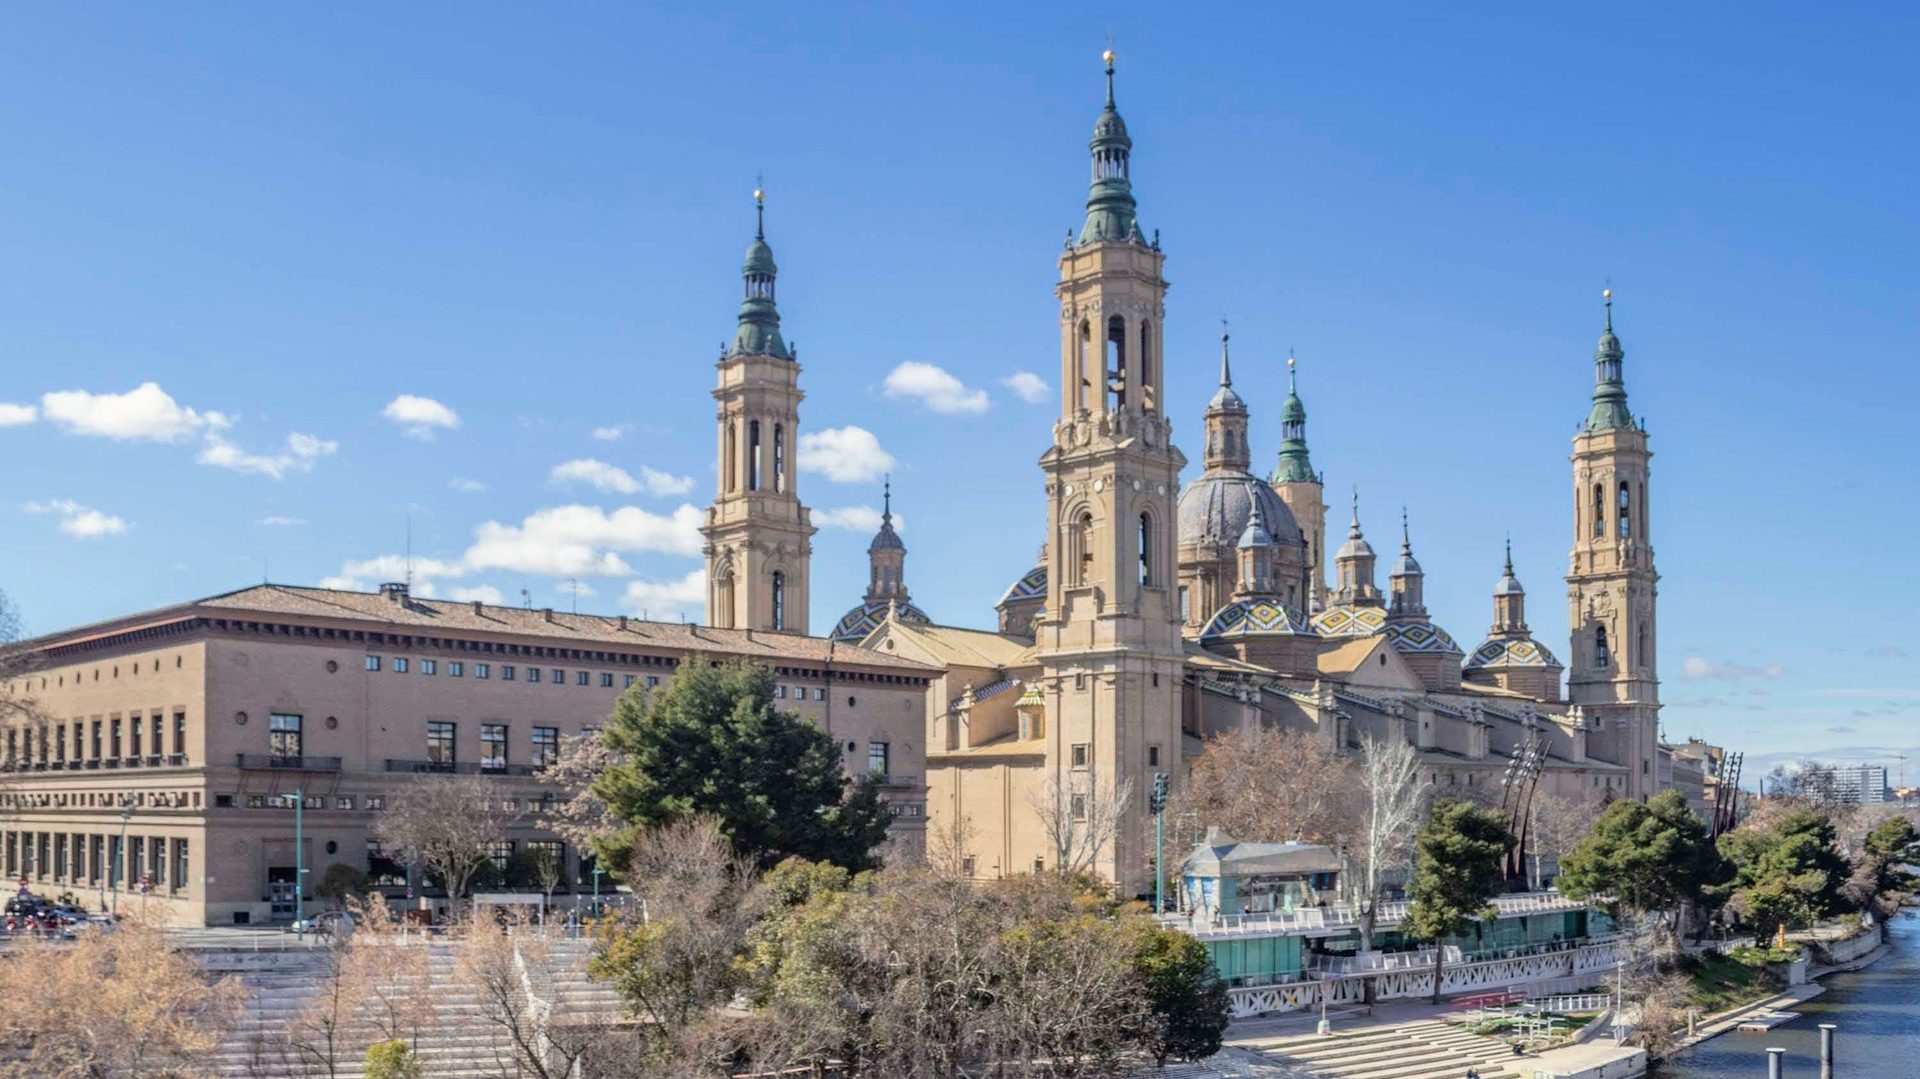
<point x="1158" y="800"/>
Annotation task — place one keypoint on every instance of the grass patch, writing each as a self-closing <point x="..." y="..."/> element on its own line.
<point x="1721" y="982"/>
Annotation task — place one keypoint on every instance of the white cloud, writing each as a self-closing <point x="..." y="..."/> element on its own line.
<point x="418" y="417"/>
<point x="394" y="567"/>
<point x="933" y="387"/>
<point x="300" y="454"/>
<point x="16" y="415"/>
<point x="611" y="433"/>
<point x="666" y="601"/>
<point x="278" y="521"/>
<point x="844" y="454"/>
<point x="145" y="412"/>
<point x="1027" y="386"/>
<point x="855" y="519"/>
<point x="608" y="477"/>
<point x="485" y="593"/>
<point x="1696" y="667"/>
<point x="81" y="522"/>
<point x="583" y="541"/>
<point x="343" y="584"/>
<point x="466" y="486"/>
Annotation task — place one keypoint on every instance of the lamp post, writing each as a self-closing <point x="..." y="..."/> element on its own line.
<point x="299" y="859"/>
<point x="116" y="864"/>
<point x="1158" y="803"/>
<point x="596" y="887"/>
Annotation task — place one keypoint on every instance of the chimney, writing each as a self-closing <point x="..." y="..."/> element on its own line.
<point x="547" y="613"/>
<point x="623" y="622"/>
<point x="395" y="591"/>
<point x="476" y="607"/>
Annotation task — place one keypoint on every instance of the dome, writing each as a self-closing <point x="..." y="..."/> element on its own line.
<point x="1225" y="399"/>
<point x="854" y="626"/>
<point x="886" y="540"/>
<point x="1405" y="566"/>
<point x="1255" y="618"/>
<point x="1355" y="547"/>
<point x="759" y="258"/>
<point x="1294" y="410"/>
<point x="1524" y="653"/>
<point x="1420" y="637"/>
<point x="1215" y="508"/>
<point x="1509" y="585"/>
<point x="1109" y="126"/>
<point x="1031" y="585"/>
<point x="1350" y="621"/>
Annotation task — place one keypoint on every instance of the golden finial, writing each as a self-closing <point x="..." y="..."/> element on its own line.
<point x="1606" y="294"/>
<point x="1108" y="57"/>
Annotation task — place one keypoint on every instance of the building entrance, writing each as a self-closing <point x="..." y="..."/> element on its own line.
<point x="280" y="895"/>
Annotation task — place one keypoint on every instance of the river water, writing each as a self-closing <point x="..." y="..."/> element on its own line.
<point x="1877" y="1010"/>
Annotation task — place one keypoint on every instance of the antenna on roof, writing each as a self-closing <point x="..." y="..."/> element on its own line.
<point x="526" y="599"/>
<point x="574" y="582"/>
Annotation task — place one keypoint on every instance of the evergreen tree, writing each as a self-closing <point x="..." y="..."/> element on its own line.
<point x="711" y="742"/>
<point x="1791" y="875"/>
<point x="1457" y="873"/>
<point x="1650" y="857"/>
<point x="1187" y="997"/>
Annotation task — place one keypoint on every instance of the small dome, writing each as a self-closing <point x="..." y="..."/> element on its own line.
<point x="1609" y="346"/>
<point x="1226" y="399"/>
<point x="854" y="626"/>
<point x="1509" y="585"/>
<point x="1355" y="547"/>
<point x="1405" y="566"/>
<point x="1255" y="534"/>
<point x="1420" y="637"/>
<point x="1255" y="618"/>
<point x="1524" y="653"/>
<point x="1350" y="621"/>
<point x="1214" y="510"/>
<point x="886" y="540"/>
<point x="759" y="258"/>
<point x="1110" y="127"/>
<point x="1031" y="585"/>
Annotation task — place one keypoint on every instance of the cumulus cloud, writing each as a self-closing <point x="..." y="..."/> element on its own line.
<point x="1027" y="386"/>
<point x="613" y="432"/>
<point x="81" y="522"/>
<point x="144" y="413"/>
<point x="933" y="387"/>
<point x="299" y="455"/>
<point x="668" y="601"/>
<point x="279" y="521"/>
<point x="466" y="486"/>
<point x="485" y="593"/>
<point x="583" y="541"/>
<point x="854" y="519"/>
<point x="608" y="477"/>
<point x="1696" y="667"/>
<point x="420" y="417"/>
<point x="844" y="454"/>
<point x="17" y="415"/>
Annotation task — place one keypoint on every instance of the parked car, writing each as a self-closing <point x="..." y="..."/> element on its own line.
<point x="332" y="923"/>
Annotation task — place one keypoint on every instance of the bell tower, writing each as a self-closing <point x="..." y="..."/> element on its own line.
<point x="759" y="540"/>
<point x="1611" y="584"/>
<point x="1301" y="488"/>
<point x="1109" y="641"/>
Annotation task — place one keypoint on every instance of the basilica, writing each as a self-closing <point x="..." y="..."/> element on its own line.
<point x="1161" y="613"/>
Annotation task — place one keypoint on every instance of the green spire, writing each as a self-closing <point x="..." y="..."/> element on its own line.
<point x="1610" y="389"/>
<point x="1110" y="206"/>
<point x="1295" y="465"/>
<point x="759" y="330"/>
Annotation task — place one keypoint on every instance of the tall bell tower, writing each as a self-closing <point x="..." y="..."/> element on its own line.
<point x="1611" y="584"/>
<point x="1109" y="641"/>
<point x="759" y="540"/>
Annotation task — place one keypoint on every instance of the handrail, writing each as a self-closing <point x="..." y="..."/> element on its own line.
<point x="276" y="762"/>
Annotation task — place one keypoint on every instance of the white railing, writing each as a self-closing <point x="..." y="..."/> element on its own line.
<point x="1339" y="917"/>
<point x="1545" y="968"/>
<point x="1576" y="1002"/>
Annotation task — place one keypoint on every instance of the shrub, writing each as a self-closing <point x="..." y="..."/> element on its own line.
<point x="392" y="1060"/>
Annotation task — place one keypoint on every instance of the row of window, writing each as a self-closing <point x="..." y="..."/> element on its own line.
<point x="111" y="740"/>
<point x="1079" y="754"/>
<point x="286" y="741"/>
<point x="95" y="860"/>
<point x="100" y="800"/>
<point x="508" y="672"/>
<point x="60" y="680"/>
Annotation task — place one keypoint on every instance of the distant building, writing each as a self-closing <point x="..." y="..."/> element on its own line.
<point x="1860" y="784"/>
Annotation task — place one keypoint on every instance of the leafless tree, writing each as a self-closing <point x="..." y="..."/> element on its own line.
<point x="1558" y="825"/>
<point x="947" y="846"/>
<point x="1080" y="817"/>
<point x="1396" y="800"/>
<point x="447" y="824"/>
<point x="579" y="815"/>
<point x="18" y="703"/>
<point x="498" y="964"/>
<point x="1267" y="784"/>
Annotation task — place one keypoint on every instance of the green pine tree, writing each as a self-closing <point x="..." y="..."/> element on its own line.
<point x="711" y="742"/>
<point x="1651" y="857"/>
<point x="1455" y="876"/>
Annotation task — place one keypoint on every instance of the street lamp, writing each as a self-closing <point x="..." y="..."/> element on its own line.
<point x="1158" y="803"/>
<point x="115" y="868"/>
<point x="596" y="888"/>
<point x="299" y="860"/>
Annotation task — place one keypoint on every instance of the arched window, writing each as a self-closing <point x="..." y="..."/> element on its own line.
<point x="1226" y="439"/>
<point x="753" y="455"/>
<point x="1081" y="381"/>
<point x="731" y="473"/>
<point x="779" y="457"/>
<point x="779" y="600"/>
<point x="1626" y="511"/>
<point x="1116" y="370"/>
<point x="1149" y="378"/>
<point x="722" y="615"/>
<point x="1082" y="550"/>
<point x="1146" y="549"/>
<point x="1640" y="647"/>
<point x="1601" y="657"/>
<point x="1599" y="511"/>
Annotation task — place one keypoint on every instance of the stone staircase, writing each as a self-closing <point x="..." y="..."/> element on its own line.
<point x="1427" y="1049"/>
<point x="562" y="981"/>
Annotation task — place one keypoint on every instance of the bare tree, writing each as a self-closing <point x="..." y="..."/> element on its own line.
<point x="549" y="869"/>
<point x="1081" y="817"/>
<point x="17" y="700"/>
<point x="1396" y="801"/>
<point x="1558" y="825"/>
<point x="447" y="824"/>
<point x="391" y="971"/>
<point x="499" y="965"/>
<point x="110" y="1004"/>
<point x="1267" y="784"/>
<point x="947" y="846"/>
<point x="579" y="815"/>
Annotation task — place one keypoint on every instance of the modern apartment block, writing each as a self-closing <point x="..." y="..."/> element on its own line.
<point x="166" y="751"/>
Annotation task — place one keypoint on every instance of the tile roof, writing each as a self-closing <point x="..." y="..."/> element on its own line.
<point x="958" y="646"/>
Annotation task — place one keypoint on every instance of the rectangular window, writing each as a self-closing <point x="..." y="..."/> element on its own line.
<point x="559" y="677"/>
<point x="115" y="742"/>
<point x="1080" y="755"/>
<point x="96" y="861"/>
<point x="533" y="674"/>
<point x="156" y="720"/>
<point x="373" y="663"/>
<point x="376" y="801"/>
<point x="136" y="860"/>
<point x="780" y="693"/>
<point x="159" y="863"/>
<point x="819" y="693"/>
<point x="606" y="679"/>
<point x="630" y="680"/>
<point x="455" y="668"/>
<point x="440" y="742"/>
<point x="506" y="672"/>
<point x="482" y="670"/>
<point x="283" y="736"/>
<point x="256" y="801"/>
<point x="179" y="864"/>
<point x="96" y="739"/>
<point x="499" y="852"/>
<point x="60" y="742"/>
<point x="546" y="746"/>
<point x="1077" y="806"/>
<point x="493" y="747"/>
<point x="344" y="801"/>
<point x="399" y="664"/>
<point x="877" y="757"/>
<point x="428" y="666"/>
<point x="1153" y="756"/>
<point x="180" y="733"/>
<point x="583" y="678"/>
<point x="653" y="681"/>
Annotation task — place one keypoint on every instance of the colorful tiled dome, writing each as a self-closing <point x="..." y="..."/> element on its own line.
<point x="864" y="619"/>
<point x="1525" y="652"/>
<point x="1255" y="618"/>
<point x="1350" y="621"/>
<point x="1421" y="637"/>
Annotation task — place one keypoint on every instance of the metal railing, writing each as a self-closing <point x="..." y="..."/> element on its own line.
<point x="278" y="762"/>
<point x="893" y="779"/>
<point x="1341" y="916"/>
<point x="465" y="768"/>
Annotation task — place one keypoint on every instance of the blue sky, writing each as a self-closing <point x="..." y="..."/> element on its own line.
<point x="289" y="220"/>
